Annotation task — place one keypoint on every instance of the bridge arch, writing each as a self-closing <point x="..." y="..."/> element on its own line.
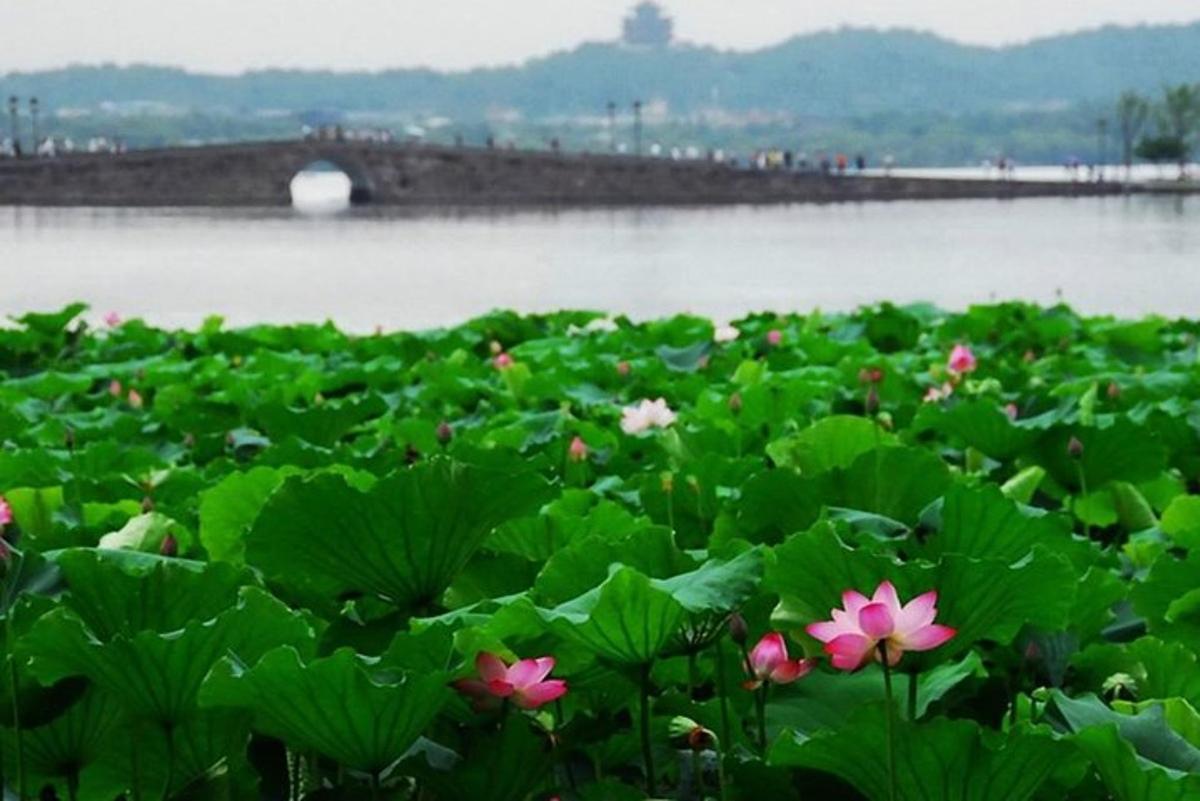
<point x="331" y="172"/>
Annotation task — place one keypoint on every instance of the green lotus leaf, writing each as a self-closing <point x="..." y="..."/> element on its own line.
<point x="831" y="442"/>
<point x="403" y="541"/>
<point x="333" y="705"/>
<point x="626" y="620"/>
<point x="939" y="760"/>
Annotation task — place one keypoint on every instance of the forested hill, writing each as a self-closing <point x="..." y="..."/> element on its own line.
<point x="847" y="72"/>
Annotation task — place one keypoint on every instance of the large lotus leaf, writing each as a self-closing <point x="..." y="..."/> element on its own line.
<point x="893" y="482"/>
<point x="324" y="424"/>
<point x="332" y="705"/>
<point x="1181" y="521"/>
<point x="156" y="676"/>
<point x="1129" y="777"/>
<point x="27" y="573"/>
<point x="825" y="699"/>
<point x="830" y="442"/>
<point x="403" y="541"/>
<point x="776" y="503"/>
<point x="229" y="508"/>
<point x="1123" y="451"/>
<point x="499" y="766"/>
<point x="117" y="592"/>
<point x="73" y="740"/>
<point x="942" y="760"/>
<point x="34" y="510"/>
<point x="981" y="598"/>
<point x="576" y="514"/>
<point x="980" y="424"/>
<point x="1160" y="669"/>
<point x="626" y="619"/>
<point x="981" y="523"/>
<point x="1167" y="598"/>
<point x="585" y="562"/>
<point x="719" y="585"/>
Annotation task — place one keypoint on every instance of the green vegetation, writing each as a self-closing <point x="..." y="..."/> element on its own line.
<point x="1177" y="124"/>
<point x="287" y="562"/>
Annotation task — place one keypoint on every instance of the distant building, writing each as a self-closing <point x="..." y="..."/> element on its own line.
<point x="647" y="26"/>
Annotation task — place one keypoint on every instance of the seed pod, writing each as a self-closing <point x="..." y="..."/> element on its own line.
<point x="444" y="432"/>
<point x="1075" y="448"/>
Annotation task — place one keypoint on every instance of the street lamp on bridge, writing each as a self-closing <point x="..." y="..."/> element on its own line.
<point x="16" y="133"/>
<point x="637" y="127"/>
<point x="33" y="112"/>
<point x="612" y="126"/>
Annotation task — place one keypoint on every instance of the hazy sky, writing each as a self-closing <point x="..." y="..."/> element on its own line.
<point x="232" y="35"/>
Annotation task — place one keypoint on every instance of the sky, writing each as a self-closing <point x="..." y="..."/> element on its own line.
<point x="230" y="36"/>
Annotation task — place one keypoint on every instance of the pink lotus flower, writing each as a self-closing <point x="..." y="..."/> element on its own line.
<point x="112" y="319"/>
<point x="503" y="361"/>
<point x="962" y="360"/>
<point x="577" y="451"/>
<point x="774" y="337"/>
<point x="856" y="631"/>
<point x="135" y="399"/>
<point x="769" y="661"/>
<point x="646" y="415"/>
<point x="6" y="515"/>
<point x="524" y="681"/>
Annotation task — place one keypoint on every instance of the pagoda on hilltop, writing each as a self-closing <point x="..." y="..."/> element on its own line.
<point x="647" y="26"/>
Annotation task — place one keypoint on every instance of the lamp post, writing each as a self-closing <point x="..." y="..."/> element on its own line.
<point x="612" y="126"/>
<point x="16" y="132"/>
<point x="1101" y="145"/>
<point x="637" y="127"/>
<point x="33" y="112"/>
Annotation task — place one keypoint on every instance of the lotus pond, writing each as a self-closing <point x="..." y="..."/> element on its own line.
<point x="894" y="554"/>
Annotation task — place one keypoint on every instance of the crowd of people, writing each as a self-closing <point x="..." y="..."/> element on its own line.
<point x="52" y="146"/>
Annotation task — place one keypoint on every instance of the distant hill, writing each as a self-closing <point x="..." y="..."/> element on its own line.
<point x="835" y="74"/>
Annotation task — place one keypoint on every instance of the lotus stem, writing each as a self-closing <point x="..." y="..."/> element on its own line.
<point x="18" y="740"/>
<point x="169" y="731"/>
<point x="723" y="692"/>
<point x="760" y="708"/>
<point x="134" y="768"/>
<point x="912" y="695"/>
<point x="1083" y="492"/>
<point x="647" y="751"/>
<point x="891" y="721"/>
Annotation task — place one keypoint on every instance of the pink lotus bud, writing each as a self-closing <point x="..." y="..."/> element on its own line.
<point x="524" y="682"/>
<point x="768" y="662"/>
<point x="854" y="635"/>
<point x="774" y="337"/>
<point x="444" y="432"/>
<point x="6" y="513"/>
<point x="700" y="739"/>
<point x="1012" y="411"/>
<point x="623" y="368"/>
<point x="577" y="451"/>
<point x="502" y="361"/>
<point x="870" y="375"/>
<point x="114" y="388"/>
<point x="170" y="546"/>
<point x="1075" y="448"/>
<point x="135" y="399"/>
<point x="112" y="319"/>
<point x="737" y="628"/>
<point x="962" y="360"/>
<point x="735" y="403"/>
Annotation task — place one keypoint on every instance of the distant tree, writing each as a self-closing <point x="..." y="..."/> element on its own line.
<point x="647" y="26"/>
<point x="1179" y="118"/>
<point x="1161" y="149"/>
<point x="1132" y="112"/>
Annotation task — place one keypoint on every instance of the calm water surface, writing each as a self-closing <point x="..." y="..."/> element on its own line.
<point x="1126" y="256"/>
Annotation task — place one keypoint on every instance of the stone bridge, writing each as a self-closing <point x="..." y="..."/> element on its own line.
<point x="260" y="174"/>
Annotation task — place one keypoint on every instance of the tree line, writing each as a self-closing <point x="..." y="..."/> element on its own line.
<point x="1162" y="130"/>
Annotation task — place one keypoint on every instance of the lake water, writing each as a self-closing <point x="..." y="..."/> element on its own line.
<point x="362" y="268"/>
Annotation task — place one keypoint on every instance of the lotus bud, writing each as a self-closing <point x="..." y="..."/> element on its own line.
<point x="774" y="337"/>
<point x="577" y="451"/>
<point x="870" y="375"/>
<point x="444" y="432"/>
<point x="1029" y="357"/>
<point x="147" y="505"/>
<point x="502" y="361"/>
<point x="737" y="629"/>
<point x="170" y="546"/>
<point x="1114" y="391"/>
<point x="411" y="454"/>
<point x="623" y="368"/>
<point x="318" y="399"/>
<point x="135" y="399"/>
<point x="1075" y="448"/>
<point x="114" y="388"/>
<point x="1120" y="683"/>
<point x="1011" y="410"/>
<point x="735" y="403"/>
<point x="495" y="347"/>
